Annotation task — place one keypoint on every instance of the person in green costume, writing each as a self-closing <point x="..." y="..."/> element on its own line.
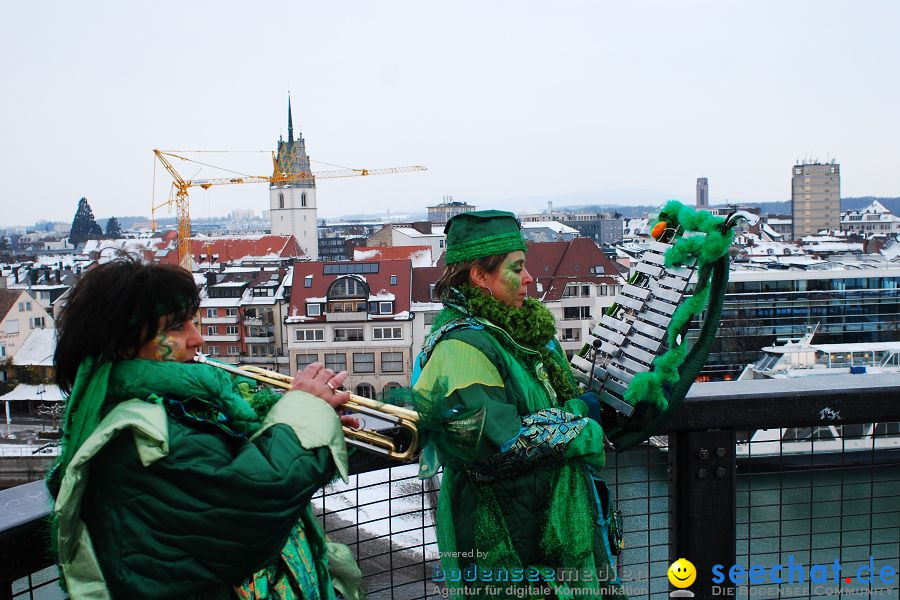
<point x="521" y="503"/>
<point x="169" y="483"/>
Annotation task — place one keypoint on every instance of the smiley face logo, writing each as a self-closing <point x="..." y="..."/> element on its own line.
<point x="682" y="573"/>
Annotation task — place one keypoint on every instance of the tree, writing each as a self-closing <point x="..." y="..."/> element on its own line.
<point x="84" y="226"/>
<point x="113" y="230"/>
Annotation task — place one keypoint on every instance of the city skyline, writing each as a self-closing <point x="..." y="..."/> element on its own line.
<point x="507" y="104"/>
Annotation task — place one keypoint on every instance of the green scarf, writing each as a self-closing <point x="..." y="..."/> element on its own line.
<point x="531" y="326"/>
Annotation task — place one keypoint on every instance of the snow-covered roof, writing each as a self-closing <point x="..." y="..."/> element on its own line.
<point x="38" y="349"/>
<point x="554" y="225"/>
<point x="43" y="392"/>
<point x="410" y="232"/>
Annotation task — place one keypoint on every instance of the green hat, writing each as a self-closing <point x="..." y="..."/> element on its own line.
<point x="482" y="233"/>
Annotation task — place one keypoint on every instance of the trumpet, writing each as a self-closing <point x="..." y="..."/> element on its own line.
<point x="401" y="447"/>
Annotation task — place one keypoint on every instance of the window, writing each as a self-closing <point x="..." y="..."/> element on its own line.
<point x="310" y="335"/>
<point x="336" y="362"/>
<point x="36" y="323"/>
<point x="212" y="313"/>
<point x="280" y="200"/>
<point x="231" y="312"/>
<point x="313" y="310"/>
<point x="391" y="385"/>
<point x="386" y="333"/>
<point x="363" y="362"/>
<point x="2" y="351"/>
<point x="307" y="281"/>
<point x="431" y="292"/>
<point x="393" y="280"/>
<point x="366" y="390"/>
<point x="385" y="308"/>
<point x="231" y="330"/>
<point x="303" y="199"/>
<point x="441" y="244"/>
<point x="24" y="306"/>
<point x="348" y="335"/>
<point x="571" y="335"/>
<point x="303" y="360"/>
<point x="214" y="351"/>
<point x="233" y="350"/>
<point x="429" y="316"/>
<point x="576" y="312"/>
<point x="348" y="268"/>
<point x="348" y="287"/>
<point x="212" y="330"/>
<point x="391" y="362"/>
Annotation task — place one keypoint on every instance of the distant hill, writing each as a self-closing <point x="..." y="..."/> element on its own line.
<point x="766" y="208"/>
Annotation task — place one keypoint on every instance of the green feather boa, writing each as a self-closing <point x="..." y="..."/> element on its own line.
<point x="531" y="326"/>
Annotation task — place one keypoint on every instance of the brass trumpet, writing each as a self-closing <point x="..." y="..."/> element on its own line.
<point x="403" y="419"/>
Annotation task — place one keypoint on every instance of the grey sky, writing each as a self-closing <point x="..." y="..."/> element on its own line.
<point x="501" y="100"/>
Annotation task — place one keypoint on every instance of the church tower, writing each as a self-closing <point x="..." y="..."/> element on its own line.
<point x="293" y="203"/>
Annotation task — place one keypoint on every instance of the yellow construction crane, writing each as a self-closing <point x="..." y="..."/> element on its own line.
<point x="180" y="187"/>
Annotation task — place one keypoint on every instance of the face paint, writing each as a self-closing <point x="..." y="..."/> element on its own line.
<point x="512" y="279"/>
<point x="165" y="347"/>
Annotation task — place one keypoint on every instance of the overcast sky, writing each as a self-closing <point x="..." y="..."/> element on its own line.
<point x="506" y="103"/>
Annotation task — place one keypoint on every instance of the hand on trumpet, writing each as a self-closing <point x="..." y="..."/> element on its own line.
<point x="322" y="382"/>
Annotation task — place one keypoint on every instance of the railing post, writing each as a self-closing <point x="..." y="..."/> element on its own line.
<point x="703" y="469"/>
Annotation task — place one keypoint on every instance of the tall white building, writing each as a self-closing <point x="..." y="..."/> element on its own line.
<point x="293" y="202"/>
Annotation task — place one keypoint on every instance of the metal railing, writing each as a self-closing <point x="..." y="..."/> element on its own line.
<point x="723" y="491"/>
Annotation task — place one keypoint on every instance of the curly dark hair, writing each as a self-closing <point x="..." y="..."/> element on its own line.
<point x="457" y="274"/>
<point x="115" y="309"/>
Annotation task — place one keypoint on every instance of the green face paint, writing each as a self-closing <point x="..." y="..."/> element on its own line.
<point x="511" y="278"/>
<point x="165" y="350"/>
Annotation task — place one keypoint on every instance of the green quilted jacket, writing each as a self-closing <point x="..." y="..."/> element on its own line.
<point x="154" y="508"/>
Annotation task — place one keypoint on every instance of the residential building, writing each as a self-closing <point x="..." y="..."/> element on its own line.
<point x="353" y="316"/>
<point x="815" y="198"/>
<point x="702" y="193"/>
<point x="873" y="220"/>
<point x="220" y="318"/>
<point x="20" y="313"/>
<point x="413" y="234"/>
<point x="447" y="209"/>
<point x="781" y="224"/>
<point x="602" y="228"/>
<point x="262" y="311"/>
<point x="292" y="204"/>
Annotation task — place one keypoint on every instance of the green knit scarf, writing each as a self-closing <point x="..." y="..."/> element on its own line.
<point x="531" y="326"/>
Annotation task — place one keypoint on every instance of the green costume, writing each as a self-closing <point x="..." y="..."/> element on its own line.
<point x="527" y="494"/>
<point x="175" y="489"/>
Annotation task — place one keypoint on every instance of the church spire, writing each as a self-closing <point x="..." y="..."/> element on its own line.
<point x="290" y="121"/>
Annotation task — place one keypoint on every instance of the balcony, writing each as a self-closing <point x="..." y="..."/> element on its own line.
<point x="343" y="317"/>
<point x="266" y="339"/>
<point x="716" y="491"/>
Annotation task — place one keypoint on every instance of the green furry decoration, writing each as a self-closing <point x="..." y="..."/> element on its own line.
<point x="532" y="326"/>
<point x="650" y="386"/>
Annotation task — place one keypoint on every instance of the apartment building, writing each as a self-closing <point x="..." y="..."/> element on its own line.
<point x="815" y="198"/>
<point x="353" y="316"/>
<point x="20" y="313"/>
